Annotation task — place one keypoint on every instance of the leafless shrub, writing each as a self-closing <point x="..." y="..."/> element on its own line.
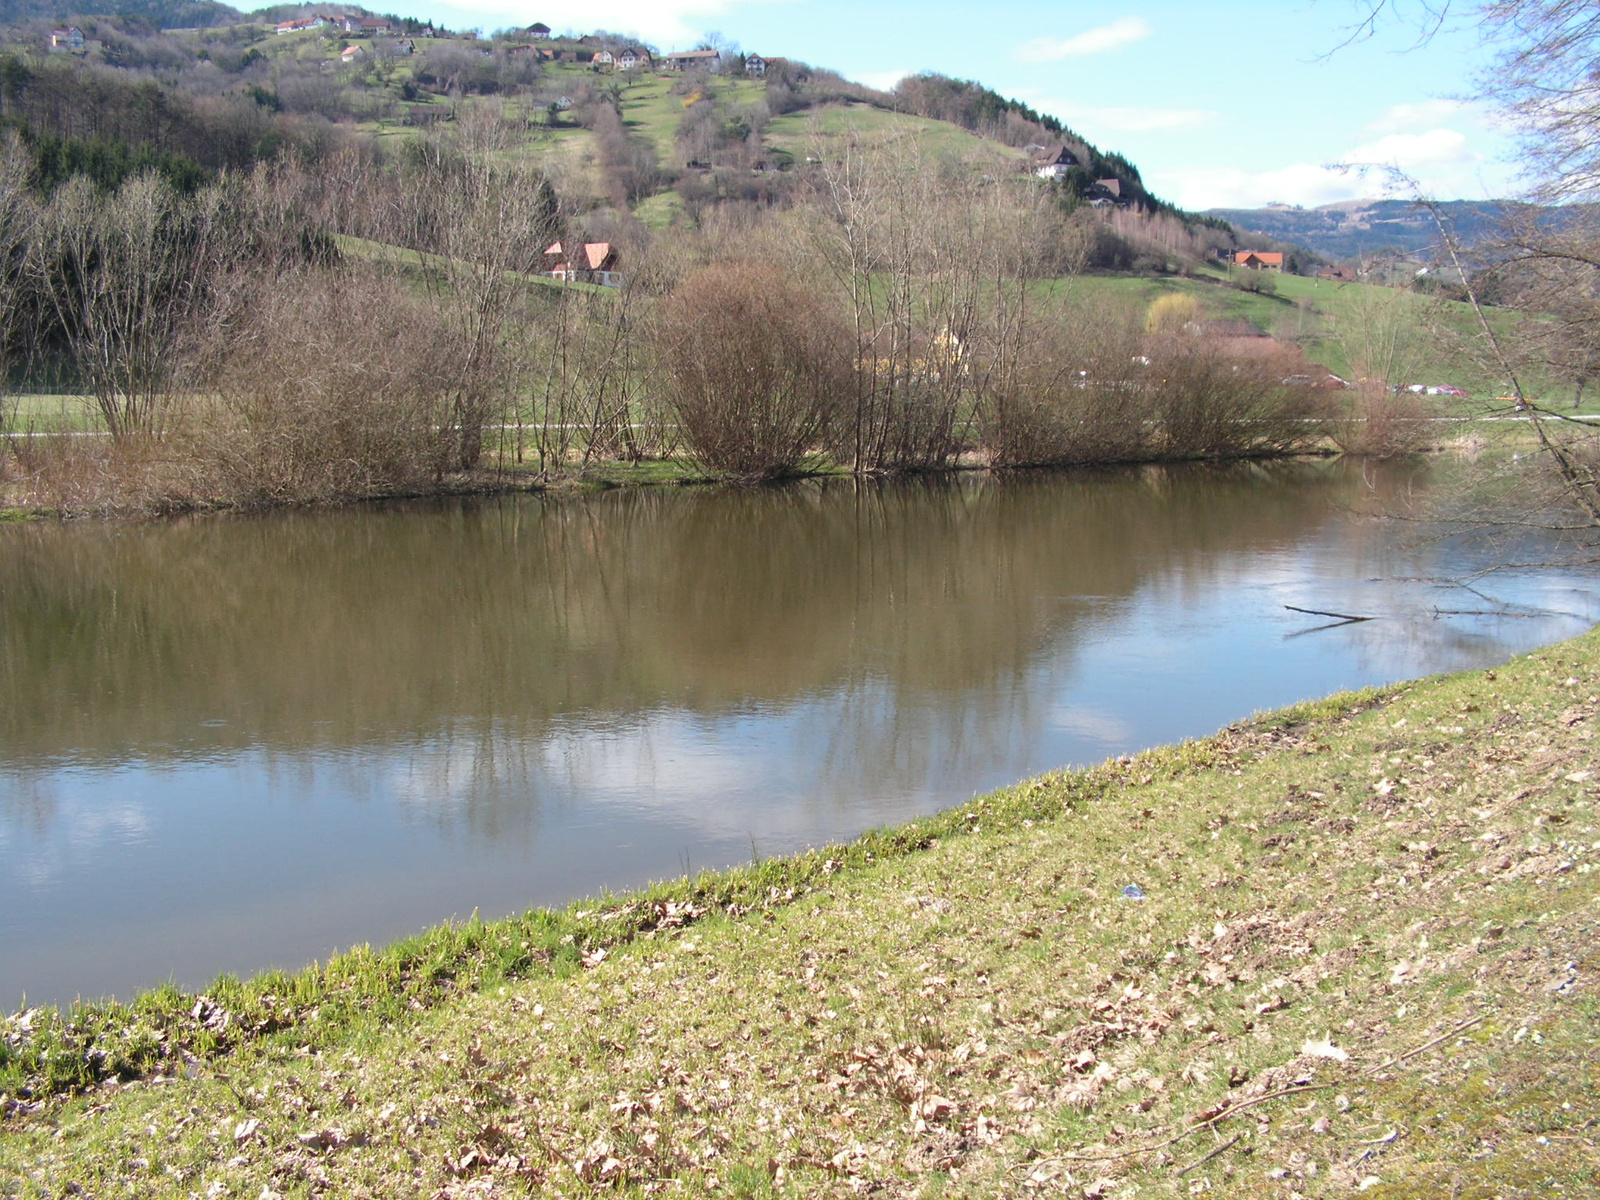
<point x="1209" y="403"/>
<point x="754" y="363"/>
<point x="1074" y="395"/>
<point x="1091" y="387"/>
<point x="328" y="385"/>
<point x="1371" y="419"/>
<point x="579" y="360"/>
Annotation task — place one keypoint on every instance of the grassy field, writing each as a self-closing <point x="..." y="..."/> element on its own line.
<point x="52" y="413"/>
<point x="813" y="132"/>
<point x="1361" y="957"/>
<point x="1313" y="313"/>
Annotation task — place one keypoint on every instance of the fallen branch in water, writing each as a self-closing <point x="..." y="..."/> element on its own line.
<point x="1317" y="612"/>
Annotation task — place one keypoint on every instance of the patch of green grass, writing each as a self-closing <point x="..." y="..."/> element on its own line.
<point x="1309" y="312"/>
<point x="661" y="211"/>
<point x="53" y="413"/>
<point x="815" y="132"/>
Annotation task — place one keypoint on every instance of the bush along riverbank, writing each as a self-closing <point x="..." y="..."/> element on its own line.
<point x="1347" y="946"/>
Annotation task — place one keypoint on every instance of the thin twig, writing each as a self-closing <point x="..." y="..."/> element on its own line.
<point x="1233" y="1109"/>
<point x="1450" y="1033"/>
<point x="1227" y="1145"/>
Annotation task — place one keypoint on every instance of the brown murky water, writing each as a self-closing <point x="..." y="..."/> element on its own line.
<point x="233" y="743"/>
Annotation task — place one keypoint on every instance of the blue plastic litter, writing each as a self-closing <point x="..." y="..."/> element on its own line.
<point x="1133" y="892"/>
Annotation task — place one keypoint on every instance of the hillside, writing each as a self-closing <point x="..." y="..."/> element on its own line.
<point x="648" y="136"/>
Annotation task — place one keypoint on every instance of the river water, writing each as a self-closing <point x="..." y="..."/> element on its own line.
<point x="229" y="743"/>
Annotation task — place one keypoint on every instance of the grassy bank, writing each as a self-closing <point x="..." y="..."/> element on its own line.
<point x="1364" y="959"/>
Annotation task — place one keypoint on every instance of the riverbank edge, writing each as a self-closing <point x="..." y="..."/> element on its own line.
<point x="47" y="1053"/>
<point x="648" y="473"/>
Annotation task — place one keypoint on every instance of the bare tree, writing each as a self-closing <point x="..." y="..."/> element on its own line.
<point x="478" y="223"/>
<point x="18" y="218"/>
<point x="123" y="275"/>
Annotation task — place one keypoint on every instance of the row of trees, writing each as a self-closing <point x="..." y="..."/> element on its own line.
<point x="294" y="333"/>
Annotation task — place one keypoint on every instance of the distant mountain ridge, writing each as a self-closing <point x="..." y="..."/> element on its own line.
<point x="1355" y="227"/>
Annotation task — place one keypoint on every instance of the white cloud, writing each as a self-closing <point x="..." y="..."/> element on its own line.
<point x="1442" y="161"/>
<point x="1122" y="32"/>
<point x="1199" y="188"/>
<point x="884" y="81"/>
<point x="1405" y="118"/>
<point x="1413" y="152"/>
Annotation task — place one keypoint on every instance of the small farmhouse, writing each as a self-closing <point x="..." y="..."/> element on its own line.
<point x="70" y="38"/>
<point x="755" y="66"/>
<point x="1259" y="260"/>
<point x="692" y="60"/>
<point x="538" y="30"/>
<point x="594" y="262"/>
<point x="1054" y="163"/>
<point x="1105" y="193"/>
<point x="634" y="58"/>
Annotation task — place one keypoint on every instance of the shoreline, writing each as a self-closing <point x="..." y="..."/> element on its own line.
<point x="611" y="476"/>
<point x="1314" y="837"/>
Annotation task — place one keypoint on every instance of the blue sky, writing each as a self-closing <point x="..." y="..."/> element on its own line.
<point x="1223" y="103"/>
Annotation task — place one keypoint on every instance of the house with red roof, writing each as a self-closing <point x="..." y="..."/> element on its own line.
<point x="594" y="262"/>
<point x="1259" y="260"/>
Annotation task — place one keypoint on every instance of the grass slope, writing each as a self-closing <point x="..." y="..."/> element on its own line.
<point x="816" y="131"/>
<point x="1365" y="960"/>
<point x="1312" y="313"/>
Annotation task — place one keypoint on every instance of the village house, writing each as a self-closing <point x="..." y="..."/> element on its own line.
<point x="692" y="60"/>
<point x="633" y="58"/>
<point x="538" y="30"/>
<point x="603" y="58"/>
<point x="1054" y="163"/>
<point x="595" y="262"/>
<point x="349" y="53"/>
<point x="1105" y="192"/>
<point x="1338" y="274"/>
<point x="755" y="66"/>
<point x="365" y="26"/>
<point x="68" y="39"/>
<point x="1259" y="260"/>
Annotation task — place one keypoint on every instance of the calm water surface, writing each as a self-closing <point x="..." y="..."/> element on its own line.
<point x="230" y="743"/>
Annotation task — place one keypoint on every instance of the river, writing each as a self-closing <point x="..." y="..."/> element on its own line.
<point x="229" y="743"/>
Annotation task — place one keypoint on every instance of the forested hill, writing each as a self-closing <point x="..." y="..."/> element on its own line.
<point x="987" y="113"/>
<point x="161" y="14"/>
<point x="1356" y="227"/>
